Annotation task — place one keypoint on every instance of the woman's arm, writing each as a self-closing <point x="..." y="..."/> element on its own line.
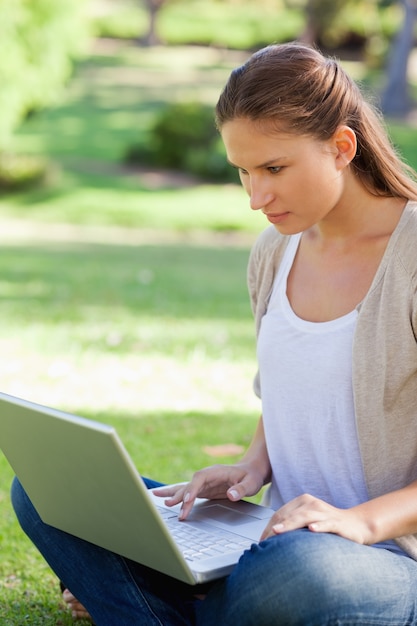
<point x="389" y="516"/>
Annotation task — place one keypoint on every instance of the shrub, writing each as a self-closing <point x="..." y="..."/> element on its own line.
<point x="39" y="40"/>
<point x="19" y="172"/>
<point x="184" y="138"/>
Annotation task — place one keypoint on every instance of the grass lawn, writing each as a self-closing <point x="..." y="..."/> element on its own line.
<point x="111" y="102"/>
<point x="156" y="339"/>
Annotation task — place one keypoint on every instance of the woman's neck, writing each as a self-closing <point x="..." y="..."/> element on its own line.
<point x="359" y="215"/>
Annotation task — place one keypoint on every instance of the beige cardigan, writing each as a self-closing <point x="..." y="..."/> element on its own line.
<point x="384" y="356"/>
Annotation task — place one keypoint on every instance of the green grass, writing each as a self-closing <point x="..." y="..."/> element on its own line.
<point x="110" y="104"/>
<point x="404" y="137"/>
<point x="28" y="590"/>
<point x="155" y="339"/>
<point x="223" y="24"/>
<point x="79" y="314"/>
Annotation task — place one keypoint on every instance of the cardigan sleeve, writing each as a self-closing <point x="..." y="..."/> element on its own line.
<point x="264" y="260"/>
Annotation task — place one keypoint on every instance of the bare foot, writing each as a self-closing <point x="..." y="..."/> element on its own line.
<point x="76" y="608"/>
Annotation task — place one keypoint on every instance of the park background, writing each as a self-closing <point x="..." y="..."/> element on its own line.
<point x="123" y="268"/>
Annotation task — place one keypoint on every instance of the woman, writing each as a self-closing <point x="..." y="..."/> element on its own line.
<point x="333" y="284"/>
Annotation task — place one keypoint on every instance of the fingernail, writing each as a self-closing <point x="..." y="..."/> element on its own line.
<point x="234" y="494"/>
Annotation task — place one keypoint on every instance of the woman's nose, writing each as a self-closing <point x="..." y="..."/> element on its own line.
<point x="259" y="197"/>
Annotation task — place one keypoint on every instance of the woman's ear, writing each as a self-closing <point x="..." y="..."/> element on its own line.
<point x="346" y="144"/>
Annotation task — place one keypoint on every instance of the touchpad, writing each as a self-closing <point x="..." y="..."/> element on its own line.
<point x="223" y="514"/>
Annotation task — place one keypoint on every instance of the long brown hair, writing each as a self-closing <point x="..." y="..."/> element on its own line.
<point x="297" y="89"/>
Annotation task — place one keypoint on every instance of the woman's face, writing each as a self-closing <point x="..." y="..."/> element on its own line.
<point x="295" y="180"/>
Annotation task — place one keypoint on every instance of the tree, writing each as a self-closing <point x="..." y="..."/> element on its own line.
<point x="38" y="40"/>
<point x="321" y="18"/>
<point x="396" y="100"/>
<point x="153" y="7"/>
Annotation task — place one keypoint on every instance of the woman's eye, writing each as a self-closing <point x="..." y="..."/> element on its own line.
<point x="275" y="169"/>
<point x="241" y="171"/>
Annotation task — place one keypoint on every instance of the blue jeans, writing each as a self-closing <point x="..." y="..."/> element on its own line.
<point x="298" y="578"/>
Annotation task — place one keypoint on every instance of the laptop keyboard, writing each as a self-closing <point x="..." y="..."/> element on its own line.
<point x="196" y="543"/>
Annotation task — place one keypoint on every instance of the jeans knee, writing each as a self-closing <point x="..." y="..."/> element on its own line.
<point x="252" y="593"/>
<point x="18" y="498"/>
<point x="26" y="513"/>
<point x="282" y="581"/>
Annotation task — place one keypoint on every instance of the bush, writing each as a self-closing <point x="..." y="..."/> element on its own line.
<point x="39" y="40"/>
<point x="18" y="172"/>
<point x="184" y="138"/>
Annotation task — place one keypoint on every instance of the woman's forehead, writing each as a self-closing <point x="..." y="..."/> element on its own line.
<point x="242" y="132"/>
<point x="248" y="146"/>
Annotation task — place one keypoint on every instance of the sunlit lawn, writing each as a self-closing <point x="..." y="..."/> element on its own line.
<point x="109" y="105"/>
<point x="155" y="339"/>
<point x="82" y="314"/>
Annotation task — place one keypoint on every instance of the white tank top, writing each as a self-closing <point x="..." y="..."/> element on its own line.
<point x="307" y="403"/>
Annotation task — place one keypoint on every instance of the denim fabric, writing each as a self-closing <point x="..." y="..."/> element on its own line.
<point x="307" y="579"/>
<point x="114" y="590"/>
<point x="298" y="578"/>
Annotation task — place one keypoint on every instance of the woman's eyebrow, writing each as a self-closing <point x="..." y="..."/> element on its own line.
<point x="268" y="163"/>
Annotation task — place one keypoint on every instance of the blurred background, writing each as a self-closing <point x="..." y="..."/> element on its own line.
<point x="124" y="233"/>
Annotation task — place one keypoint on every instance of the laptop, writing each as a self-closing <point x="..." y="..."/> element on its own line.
<point x="82" y="480"/>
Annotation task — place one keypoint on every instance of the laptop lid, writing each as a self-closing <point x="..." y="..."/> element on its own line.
<point x="81" y="480"/>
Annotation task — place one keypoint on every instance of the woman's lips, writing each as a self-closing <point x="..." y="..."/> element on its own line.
<point x="276" y="218"/>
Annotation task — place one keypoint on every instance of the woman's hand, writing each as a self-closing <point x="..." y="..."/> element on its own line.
<point x="215" y="482"/>
<point x="309" y="512"/>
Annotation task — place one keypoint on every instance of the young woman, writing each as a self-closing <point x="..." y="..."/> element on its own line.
<point x="333" y="283"/>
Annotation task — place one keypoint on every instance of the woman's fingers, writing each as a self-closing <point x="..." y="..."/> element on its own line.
<point x="215" y="482"/>
<point x="173" y="494"/>
<point x="309" y="512"/>
<point x="76" y="608"/>
<point x="297" y="513"/>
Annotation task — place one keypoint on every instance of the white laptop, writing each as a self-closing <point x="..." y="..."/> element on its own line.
<point x="81" y="480"/>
